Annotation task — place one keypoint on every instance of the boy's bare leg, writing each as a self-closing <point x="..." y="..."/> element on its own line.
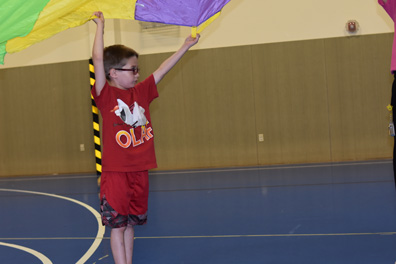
<point x="118" y="245"/>
<point x="129" y="235"/>
<point x="121" y="241"/>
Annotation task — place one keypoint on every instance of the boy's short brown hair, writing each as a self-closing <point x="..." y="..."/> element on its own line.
<point x="115" y="56"/>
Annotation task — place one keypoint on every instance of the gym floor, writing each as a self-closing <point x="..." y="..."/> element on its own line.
<point x="309" y="213"/>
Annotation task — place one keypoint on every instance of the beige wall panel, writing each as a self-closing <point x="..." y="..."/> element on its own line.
<point x="209" y="119"/>
<point x="359" y="85"/>
<point x="218" y="102"/>
<point x="167" y="113"/>
<point x="314" y="101"/>
<point x="44" y="118"/>
<point x="291" y="102"/>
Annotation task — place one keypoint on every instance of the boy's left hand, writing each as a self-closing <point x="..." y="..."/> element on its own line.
<point x="190" y="41"/>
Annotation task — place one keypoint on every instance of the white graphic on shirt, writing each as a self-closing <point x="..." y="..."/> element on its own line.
<point x="133" y="116"/>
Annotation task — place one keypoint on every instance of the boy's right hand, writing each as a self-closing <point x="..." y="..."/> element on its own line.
<point x="99" y="17"/>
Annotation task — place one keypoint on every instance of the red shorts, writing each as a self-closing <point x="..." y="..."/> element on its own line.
<point x="124" y="198"/>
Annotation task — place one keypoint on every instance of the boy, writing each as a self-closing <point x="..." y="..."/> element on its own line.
<point x="128" y="147"/>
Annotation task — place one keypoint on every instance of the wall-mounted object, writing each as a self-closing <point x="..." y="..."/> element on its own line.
<point x="352" y="27"/>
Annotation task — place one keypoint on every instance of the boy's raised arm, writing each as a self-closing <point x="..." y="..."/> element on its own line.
<point x="97" y="53"/>
<point x="168" y="64"/>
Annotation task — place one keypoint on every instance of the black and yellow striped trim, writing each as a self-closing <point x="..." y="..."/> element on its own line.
<point x="96" y="129"/>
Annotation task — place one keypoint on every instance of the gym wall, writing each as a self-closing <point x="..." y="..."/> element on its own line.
<point x="318" y="100"/>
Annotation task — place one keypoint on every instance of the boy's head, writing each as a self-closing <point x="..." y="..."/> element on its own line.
<point x="116" y="56"/>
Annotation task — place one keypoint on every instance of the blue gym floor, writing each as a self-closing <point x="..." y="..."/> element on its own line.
<point x="320" y="213"/>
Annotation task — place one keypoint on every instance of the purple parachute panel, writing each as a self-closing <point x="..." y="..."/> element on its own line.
<point x="189" y="13"/>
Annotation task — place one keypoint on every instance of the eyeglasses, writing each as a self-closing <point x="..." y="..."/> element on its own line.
<point x="134" y="70"/>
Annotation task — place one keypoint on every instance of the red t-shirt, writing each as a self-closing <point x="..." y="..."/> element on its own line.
<point x="125" y="148"/>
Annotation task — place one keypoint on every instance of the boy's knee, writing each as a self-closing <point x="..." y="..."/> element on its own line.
<point x="119" y="229"/>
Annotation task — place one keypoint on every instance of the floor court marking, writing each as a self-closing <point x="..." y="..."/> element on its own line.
<point x="35" y="253"/>
<point x="101" y="229"/>
<point x="267" y="186"/>
<point x="273" y="235"/>
<point x="218" y="236"/>
<point x="48" y="178"/>
<point x="221" y="236"/>
<point x="269" y="167"/>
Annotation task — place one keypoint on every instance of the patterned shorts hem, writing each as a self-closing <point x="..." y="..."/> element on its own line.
<point x="113" y="219"/>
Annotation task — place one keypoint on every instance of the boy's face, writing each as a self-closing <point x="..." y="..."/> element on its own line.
<point x="127" y="76"/>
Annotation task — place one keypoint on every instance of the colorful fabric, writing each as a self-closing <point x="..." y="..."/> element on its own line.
<point x="20" y="21"/>
<point x="191" y="13"/>
<point x="24" y="23"/>
<point x="43" y="19"/>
